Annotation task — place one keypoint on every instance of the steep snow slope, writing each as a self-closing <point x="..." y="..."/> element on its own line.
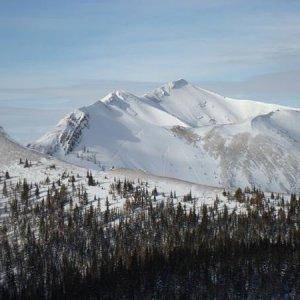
<point x="185" y="132"/>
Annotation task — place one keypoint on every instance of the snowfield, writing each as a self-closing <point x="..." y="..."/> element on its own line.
<point x="182" y="131"/>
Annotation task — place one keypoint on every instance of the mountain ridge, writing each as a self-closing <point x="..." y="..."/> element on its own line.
<point x="174" y="131"/>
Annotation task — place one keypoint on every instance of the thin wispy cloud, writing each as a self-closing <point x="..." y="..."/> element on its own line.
<point x="60" y="43"/>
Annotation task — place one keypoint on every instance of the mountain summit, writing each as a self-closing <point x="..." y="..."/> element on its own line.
<point x="177" y="84"/>
<point x="180" y="130"/>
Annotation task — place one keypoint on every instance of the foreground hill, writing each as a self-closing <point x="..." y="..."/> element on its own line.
<point x="185" y="132"/>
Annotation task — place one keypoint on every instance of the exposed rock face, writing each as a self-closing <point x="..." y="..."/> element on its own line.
<point x="70" y="137"/>
<point x="185" y="133"/>
<point x="247" y="157"/>
<point x="66" y="135"/>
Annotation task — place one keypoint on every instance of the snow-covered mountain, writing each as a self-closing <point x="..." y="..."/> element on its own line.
<point x="182" y="131"/>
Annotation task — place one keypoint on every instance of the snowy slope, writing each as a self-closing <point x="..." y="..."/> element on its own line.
<point x="46" y="171"/>
<point x="43" y="168"/>
<point x="185" y="132"/>
<point x="11" y="151"/>
<point x="198" y="107"/>
<point x="263" y="151"/>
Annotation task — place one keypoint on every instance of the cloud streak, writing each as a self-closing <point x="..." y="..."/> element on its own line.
<point x="60" y="43"/>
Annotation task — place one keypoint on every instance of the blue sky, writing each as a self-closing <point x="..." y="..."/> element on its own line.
<point x="53" y="43"/>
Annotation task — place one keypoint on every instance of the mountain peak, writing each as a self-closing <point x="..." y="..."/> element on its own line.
<point x="119" y="99"/>
<point x="177" y="84"/>
<point x="115" y="96"/>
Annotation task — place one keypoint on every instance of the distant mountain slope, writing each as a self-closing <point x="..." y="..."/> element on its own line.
<point x="261" y="151"/>
<point x="185" y="132"/>
<point x="11" y="151"/>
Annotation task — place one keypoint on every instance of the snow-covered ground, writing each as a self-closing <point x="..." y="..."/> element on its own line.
<point x="46" y="171"/>
<point x="185" y="132"/>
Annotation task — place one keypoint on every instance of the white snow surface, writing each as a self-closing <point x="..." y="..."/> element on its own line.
<point x="43" y="167"/>
<point x="185" y="132"/>
<point x="48" y="171"/>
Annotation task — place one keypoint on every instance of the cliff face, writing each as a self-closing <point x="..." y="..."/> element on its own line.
<point x="70" y="137"/>
<point x="65" y="136"/>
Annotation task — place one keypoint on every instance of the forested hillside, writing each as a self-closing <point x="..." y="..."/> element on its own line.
<point x="60" y="246"/>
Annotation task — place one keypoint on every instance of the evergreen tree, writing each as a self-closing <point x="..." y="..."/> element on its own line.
<point x="91" y="180"/>
<point x="37" y="191"/>
<point x="26" y="165"/>
<point x="4" y="189"/>
<point x="239" y="195"/>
